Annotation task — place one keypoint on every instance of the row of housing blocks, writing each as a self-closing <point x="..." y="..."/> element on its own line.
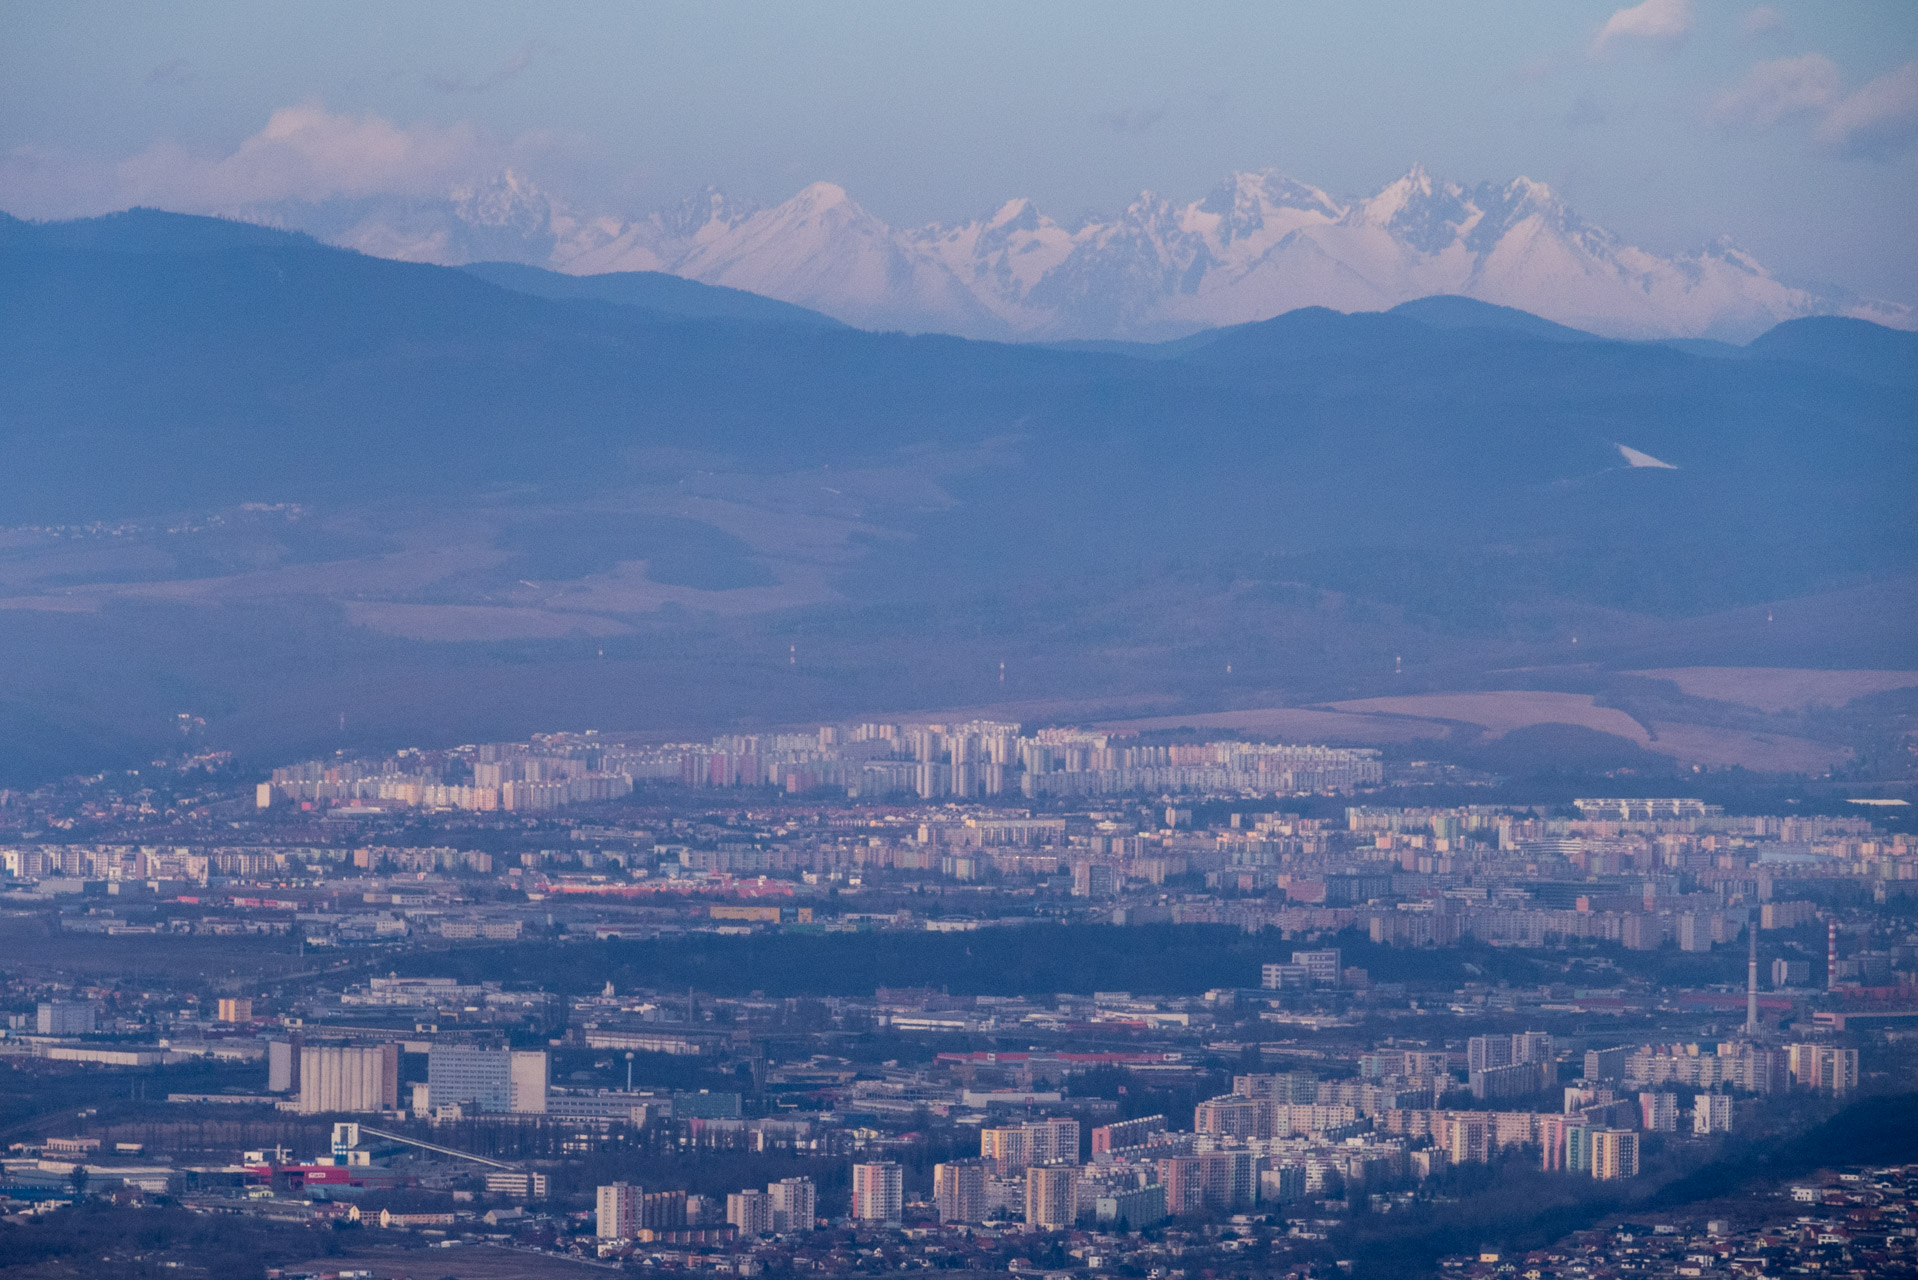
<point x="626" y="1211"/>
<point x="979" y="759"/>
<point x="1276" y="1135"/>
<point x="1732" y="1064"/>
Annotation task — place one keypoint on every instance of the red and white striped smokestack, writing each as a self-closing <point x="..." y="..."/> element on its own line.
<point x="1831" y="955"/>
<point x="1751" y="981"/>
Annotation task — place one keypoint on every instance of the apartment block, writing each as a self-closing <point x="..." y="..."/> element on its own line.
<point x="65" y="1018"/>
<point x="617" y="1216"/>
<point x="1789" y="973"/>
<point x="1607" y="1064"/>
<point x="520" y="1186"/>
<point x="959" y="1190"/>
<point x="1130" y="1210"/>
<point x="1512" y="1080"/>
<point x="1824" y="1067"/>
<point x="878" y="1192"/>
<point x="1614" y="1154"/>
<point x="795" y="1204"/>
<point x="1126" y="1133"/>
<point x="1658" y="1112"/>
<point x="1712" y="1113"/>
<point x="1482" y="1053"/>
<point x="750" y="1213"/>
<point x="1220" y="1180"/>
<point x="1014" y="1147"/>
<point x="1052" y="1196"/>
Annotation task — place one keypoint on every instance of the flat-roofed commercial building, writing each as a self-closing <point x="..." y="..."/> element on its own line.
<point x="493" y="1080"/>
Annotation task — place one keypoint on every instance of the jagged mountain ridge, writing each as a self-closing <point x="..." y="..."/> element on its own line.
<point x="1257" y="246"/>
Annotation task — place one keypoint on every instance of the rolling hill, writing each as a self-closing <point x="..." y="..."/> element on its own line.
<point x="368" y="476"/>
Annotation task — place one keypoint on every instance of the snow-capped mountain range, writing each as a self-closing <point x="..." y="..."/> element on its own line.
<point x="1258" y="245"/>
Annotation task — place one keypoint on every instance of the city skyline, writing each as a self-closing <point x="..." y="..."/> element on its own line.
<point x="1262" y="641"/>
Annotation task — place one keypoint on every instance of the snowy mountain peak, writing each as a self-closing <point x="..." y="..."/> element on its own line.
<point x="1726" y="250"/>
<point x="709" y="208"/>
<point x="1523" y="188"/>
<point x="1421" y="214"/>
<point x="1258" y="244"/>
<point x="508" y="200"/>
<point x="1014" y="213"/>
<point x="1283" y="192"/>
<point x="1401" y="193"/>
<point x="822" y="195"/>
<point x="1248" y="203"/>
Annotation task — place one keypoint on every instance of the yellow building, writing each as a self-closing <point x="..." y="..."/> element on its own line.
<point x="1052" y="1196"/>
<point x="1614" y="1153"/>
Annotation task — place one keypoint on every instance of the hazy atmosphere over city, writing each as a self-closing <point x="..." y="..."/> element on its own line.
<point x="1069" y="639"/>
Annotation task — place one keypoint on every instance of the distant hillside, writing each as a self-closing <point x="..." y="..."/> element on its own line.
<point x="696" y="479"/>
<point x="1449" y="311"/>
<point x="157" y="360"/>
<point x="146" y="231"/>
<point x="1852" y="347"/>
<point x="652" y="290"/>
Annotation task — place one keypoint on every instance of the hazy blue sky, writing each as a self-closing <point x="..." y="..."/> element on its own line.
<point x="1789" y="126"/>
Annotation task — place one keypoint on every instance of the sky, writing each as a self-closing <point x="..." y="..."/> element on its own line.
<point x="1790" y="127"/>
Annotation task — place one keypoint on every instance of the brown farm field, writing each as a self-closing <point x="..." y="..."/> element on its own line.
<point x="1440" y="716"/>
<point x="1765" y="752"/>
<point x="1711" y="746"/>
<point x="1501" y="712"/>
<point x="1298" y="723"/>
<point x="1776" y="689"/>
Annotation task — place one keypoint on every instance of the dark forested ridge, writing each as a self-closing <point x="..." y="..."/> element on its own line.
<point x="162" y="359"/>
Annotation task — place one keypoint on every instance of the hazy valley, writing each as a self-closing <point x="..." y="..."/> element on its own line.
<point x="252" y="472"/>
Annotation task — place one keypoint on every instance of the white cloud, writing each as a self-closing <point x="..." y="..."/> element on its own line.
<point x="303" y="153"/>
<point x="1761" y="21"/>
<point x="1657" y="21"/>
<point x="307" y="153"/>
<point x="1880" y="119"/>
<point x="1773" y="91"/>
